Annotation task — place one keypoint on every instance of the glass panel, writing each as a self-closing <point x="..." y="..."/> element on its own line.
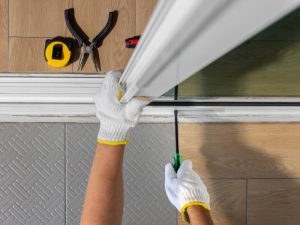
<point x="266" y="65"/>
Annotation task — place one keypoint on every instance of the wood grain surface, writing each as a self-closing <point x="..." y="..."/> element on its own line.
<point x="27" y="54"/>
<point x="37" y="18"/>
<point x="274" y="201"/>
<point x="247" y="164"/>
<point x="228" y="201"/>
<point x="3" y="53"/>
<point x="45" y="19"/>
<point x="4" y="35"/>
<point x="92" y="16"/>
<point x="124" y="28"/>
<point x="3" y="17"/>
<point x="144" y="9"/>
<point x="242" y="150"/>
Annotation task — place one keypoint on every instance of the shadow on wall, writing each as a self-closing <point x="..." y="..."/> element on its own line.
<point x="239" y="159"/>
<point x="269" y="201"/>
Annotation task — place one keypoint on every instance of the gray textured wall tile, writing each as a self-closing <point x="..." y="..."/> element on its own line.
<point x="80" y="147"/>
<point x="150" y="147"/>
<point x="32" y="167"/>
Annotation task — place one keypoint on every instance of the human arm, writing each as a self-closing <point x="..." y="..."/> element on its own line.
<point x="105" y="193"/>
<point x="199" y="215"/>
<point x="185" y="189"/>
<point x="104" y="197"/>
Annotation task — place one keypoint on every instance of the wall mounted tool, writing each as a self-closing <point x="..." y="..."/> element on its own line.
<point x="58" y="51"/>
<point x="132" y="41"/>
<point x="89" y="48"/>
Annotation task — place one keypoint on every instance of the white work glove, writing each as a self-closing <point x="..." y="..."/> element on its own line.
<point x="115" y="117"/>
<point x="185" y="188"/>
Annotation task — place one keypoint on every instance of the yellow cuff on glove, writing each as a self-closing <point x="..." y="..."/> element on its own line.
<point x="114" y="143"/>
<point x="184" y="213"/>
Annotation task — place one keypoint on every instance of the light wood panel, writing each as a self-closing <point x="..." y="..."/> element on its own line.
<point x="241" y="150"/>
<point x="257" y="68"/>
<point x="3" y="17"/>
<point x="124" y="28"/>
<point x="3" y="53"/>
<point x="43" y="18"/>
<point x="228" y="202"/>
<point x="92" y="16"/>
<point x="27" y="54"/>
<point x="37" y="18"/>
<point x="274" y="202"/>
<point x="144" y="9"/>
<point x="3" y="35"/>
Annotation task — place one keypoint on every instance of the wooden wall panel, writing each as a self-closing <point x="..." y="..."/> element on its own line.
<point x="3" y="17"/>
<point x="124" y="28"/>
<point x="258" y="153"/>
<point x="3" y="53"/>
<point x="26" y="54"/>
<point x="92" y="16"/>
<point x="228" y="201"/>
<point x="45" y="19"/>
<point x="3" y="35"/>
<point x="144" y="9"/>
<point x="37" y="18"/>
<point x="243" y="150"/>
<point x="274" y="201"/>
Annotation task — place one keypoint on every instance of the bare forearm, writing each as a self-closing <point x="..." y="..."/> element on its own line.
<point x="199" y="216"/>
<point x="105" y="195"/>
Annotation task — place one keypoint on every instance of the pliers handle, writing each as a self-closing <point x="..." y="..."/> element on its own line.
<point x="112" y="18"/>
<point x="96" y="42"/>
<point x="89" y="48"/>
<point x="70" y="22"/>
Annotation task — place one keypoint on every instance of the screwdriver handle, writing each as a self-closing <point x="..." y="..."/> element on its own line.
<point x="177" y="161"/>
<point x="132" y="41"/>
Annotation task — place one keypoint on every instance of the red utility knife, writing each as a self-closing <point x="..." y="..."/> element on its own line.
<point x="132" y="41"/>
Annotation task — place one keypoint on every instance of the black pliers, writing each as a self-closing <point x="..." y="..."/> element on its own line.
<point x="89" y="48"/>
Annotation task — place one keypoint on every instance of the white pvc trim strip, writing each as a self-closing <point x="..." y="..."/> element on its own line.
<point x="182" y="37"/>
<point x="69" y="98"/>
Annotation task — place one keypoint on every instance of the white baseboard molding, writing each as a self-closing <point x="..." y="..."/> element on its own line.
<point x="70" y="98"/>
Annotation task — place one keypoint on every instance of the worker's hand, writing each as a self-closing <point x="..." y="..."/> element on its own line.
<point x="115" y="117"/>
<point x="185" y="188"/>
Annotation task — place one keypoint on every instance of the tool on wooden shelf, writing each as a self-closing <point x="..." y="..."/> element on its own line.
<point x="58" y="51"/>
<point x="89" y="48"/>
<point x="132" y="41"/>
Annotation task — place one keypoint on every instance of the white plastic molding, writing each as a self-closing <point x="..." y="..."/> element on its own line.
<point x="182" y="37"/>
<point x="70" y="98"/>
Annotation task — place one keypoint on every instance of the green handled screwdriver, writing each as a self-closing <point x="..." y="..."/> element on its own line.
<point x="177" y="158"/>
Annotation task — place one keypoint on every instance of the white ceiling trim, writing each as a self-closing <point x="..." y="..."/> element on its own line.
<point x="182" y="37"/>
<point x="70" y="98"/>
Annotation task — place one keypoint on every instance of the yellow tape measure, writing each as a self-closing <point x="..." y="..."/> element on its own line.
<point x="58" y="51"/>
